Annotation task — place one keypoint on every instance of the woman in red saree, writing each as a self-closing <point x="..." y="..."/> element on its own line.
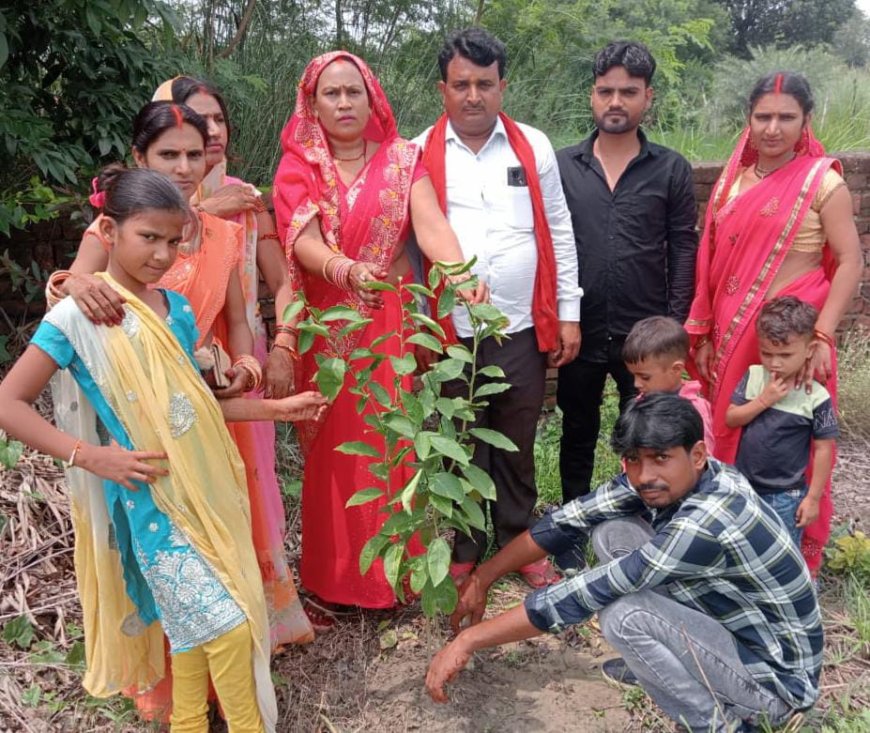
<point x="346" y="192"/>
<point x="779" y="222"/>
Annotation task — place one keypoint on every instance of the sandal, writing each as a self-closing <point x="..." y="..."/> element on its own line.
<point x="539" y="574"/>
<point x="321" y="614"/>
<point x="460" y="571"/>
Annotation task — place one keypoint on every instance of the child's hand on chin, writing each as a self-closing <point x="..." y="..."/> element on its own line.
<point x="304" y="406"/>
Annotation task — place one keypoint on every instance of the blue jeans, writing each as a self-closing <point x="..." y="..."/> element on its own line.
<point x="785" y="504"/>
<point x="686" y="661"/>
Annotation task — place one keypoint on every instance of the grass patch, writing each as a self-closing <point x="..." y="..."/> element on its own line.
<point x="854" y="383"/>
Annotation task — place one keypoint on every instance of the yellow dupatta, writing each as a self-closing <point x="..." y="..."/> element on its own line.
<point x="165" y="406"/>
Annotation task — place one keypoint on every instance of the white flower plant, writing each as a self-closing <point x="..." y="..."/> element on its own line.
<point x="432" y="433"/>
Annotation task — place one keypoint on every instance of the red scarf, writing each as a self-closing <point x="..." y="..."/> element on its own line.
<point x="544" y="312"/>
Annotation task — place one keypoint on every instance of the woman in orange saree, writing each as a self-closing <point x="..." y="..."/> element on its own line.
<point x="779" y="222"/>
<point x="346" y="192"/>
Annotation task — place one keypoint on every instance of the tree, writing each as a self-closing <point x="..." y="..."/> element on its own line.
<point x="785" y="22"/>
<point x="72" y="75"/>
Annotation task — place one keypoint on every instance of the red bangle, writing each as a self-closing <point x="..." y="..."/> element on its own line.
<point x="822" y="336"/>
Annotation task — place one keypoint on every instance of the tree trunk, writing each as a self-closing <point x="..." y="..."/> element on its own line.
<point x="241" y="30"/>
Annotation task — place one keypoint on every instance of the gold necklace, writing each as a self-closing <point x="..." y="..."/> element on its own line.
<point x="761" y="173"/>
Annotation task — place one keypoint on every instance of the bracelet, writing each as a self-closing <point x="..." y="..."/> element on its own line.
<point x="341" y="273"/>
<point x="270" y="235"/>
<point x="286" y="328"/>
<point x="822" y="336"/>
<point x="53" y="293"/>
<point x="324" y="273"/>
<point x="702" y="340"/>
<point x="289" y="349"/>
<point x="71" y="461"/>
<point x="250" y="364"/>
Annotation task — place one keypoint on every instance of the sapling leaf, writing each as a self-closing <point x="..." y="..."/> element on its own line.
<point x="427" y="341"/>
<point x="364" y="496"/>
<point x="447" y="485"/>
<point x="446" y="406"/>
<point x="422" y="445"/>
<point x="494" y="438"/>
<point x="450" y="448"/>
<point x="402" y="425"/>
<point x="371" y="550"/>
<point x="304" y="341"/>
<point x="380" y="285"/>
<point x="429" y="323"/>
<point x="460" y="353"/>
<point x="491" y="370"/>
<point x="410" y="489"/>
<point x="330" y="376"/>
<point x="474" y="513"/>
<point x="358" y="448"/>
<point x="490" y="389"/>
<point x="354" y="326"/>
<point x="393" y="562"/>
<point x="340" y="313"/>
<point x="443" y="505"/>
<point x="292" y="310"/>
<point x="446" y="370"/>
<point x="404" y="365"/>
<point x="313" y="328"/>
<point x="480" y="480"/>
<point x="419" y="289"/>
<point x="438" y="560"/>
<point x="382" y="397"/>
<point x="446" y="302"/>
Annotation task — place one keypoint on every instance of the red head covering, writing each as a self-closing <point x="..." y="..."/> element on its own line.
<point x="306" y="166"/>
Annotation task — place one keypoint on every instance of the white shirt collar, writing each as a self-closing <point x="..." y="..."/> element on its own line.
<point x="450" y="133"/>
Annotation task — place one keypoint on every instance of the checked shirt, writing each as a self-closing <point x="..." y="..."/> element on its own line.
<point x="721" y="551"/>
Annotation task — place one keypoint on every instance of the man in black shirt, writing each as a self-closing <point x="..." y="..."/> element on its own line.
<point x="633" y="210"/>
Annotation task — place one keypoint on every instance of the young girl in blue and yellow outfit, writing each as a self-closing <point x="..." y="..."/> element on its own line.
<point x="160" y="541"/>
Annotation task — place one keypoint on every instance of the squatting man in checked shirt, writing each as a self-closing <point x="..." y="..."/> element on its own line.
<point x="698" y="587"/>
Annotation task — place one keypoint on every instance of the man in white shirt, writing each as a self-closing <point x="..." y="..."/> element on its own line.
<point x="499" y="183"/>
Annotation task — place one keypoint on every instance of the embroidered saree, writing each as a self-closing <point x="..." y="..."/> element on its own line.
<point x="173" y="556"/>
<point x="366" y="221"/>
<point x="745" y="241"/>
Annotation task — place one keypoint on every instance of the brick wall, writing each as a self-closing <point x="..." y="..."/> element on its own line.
<point x="52" y="244"/>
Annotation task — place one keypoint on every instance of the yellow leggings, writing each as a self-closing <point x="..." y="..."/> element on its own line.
<point x="227" y="659"/>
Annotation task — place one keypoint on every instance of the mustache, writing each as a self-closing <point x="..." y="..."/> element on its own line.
<point x="652" y="486"/>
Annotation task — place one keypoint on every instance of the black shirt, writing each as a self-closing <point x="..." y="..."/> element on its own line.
<point x="636" y="244"/>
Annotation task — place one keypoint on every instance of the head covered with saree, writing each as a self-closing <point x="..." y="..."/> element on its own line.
<point x="366" y="220"/>
<point x="305" y="184"/>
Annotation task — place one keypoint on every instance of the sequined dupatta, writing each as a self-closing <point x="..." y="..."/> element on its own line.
<point x="163" y="404"/>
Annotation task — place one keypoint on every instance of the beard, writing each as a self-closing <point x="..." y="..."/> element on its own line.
<point x="615" y="125"/>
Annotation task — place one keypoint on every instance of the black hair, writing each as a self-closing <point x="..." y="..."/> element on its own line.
<point x="784" y="317"/>
<point x="475" y="44"/>
<point x="654" y="337"/>
<point x="632" y="55"/>
<point x="129" y="191"/>
<point x="184" y="87"/>
<point x="155" y="118"/>
<point x="784" y="82"/>
<point x="659" y="421"/>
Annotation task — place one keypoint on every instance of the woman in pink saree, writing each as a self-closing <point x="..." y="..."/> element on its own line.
<point x="347" y="190"/>
<point x="779" y="222"/>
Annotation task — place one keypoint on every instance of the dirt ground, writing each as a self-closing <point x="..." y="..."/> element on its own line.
<point x="367" y="675"/>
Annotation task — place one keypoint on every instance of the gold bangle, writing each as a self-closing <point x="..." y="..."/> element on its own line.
<point x="822" y="336"/>
<point x="53" y="293"/>
<point x="323" y="272"/>
<point x="289" y="349"/>
<point x="255" y="372"/>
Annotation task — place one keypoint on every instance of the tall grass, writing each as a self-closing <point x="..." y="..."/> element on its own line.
<point x="853" y="384"/>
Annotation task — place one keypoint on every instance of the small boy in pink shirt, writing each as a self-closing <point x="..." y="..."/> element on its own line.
<point x="655" y="352"/>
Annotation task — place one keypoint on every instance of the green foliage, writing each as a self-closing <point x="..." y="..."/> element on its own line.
<point x="850" y="555"/>
<point x="27" y="284"/>
<point x="765" y="22"/>
<point x="841" y="118"/>
<point x="10" y="451"/>
<point x="72" y="75"/>
<point x="429" y="432"/>
<point x="19" y="632"/>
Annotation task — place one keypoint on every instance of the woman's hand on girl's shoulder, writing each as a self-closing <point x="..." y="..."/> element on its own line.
<point x="120" y="465"/>
<point x="97" y="300"/>
<point x="230" y="200"/>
